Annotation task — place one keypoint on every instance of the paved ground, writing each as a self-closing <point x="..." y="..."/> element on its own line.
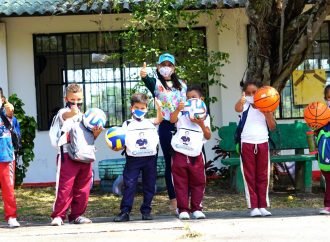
<point x="286" y="225"/>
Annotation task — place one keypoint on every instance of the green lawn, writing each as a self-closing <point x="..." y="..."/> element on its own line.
<point x="35" y="204"/>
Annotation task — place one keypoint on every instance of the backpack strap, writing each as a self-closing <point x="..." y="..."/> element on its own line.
<point x="6" y="121"/>
<point x="244" y="117"/>
<point x="127" y="123"/>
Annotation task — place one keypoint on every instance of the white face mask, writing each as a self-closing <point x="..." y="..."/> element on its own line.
<point x="249" y="99"/>
<point x="165" y="71"/>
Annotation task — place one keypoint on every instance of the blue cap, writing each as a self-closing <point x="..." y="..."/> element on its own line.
<point x="166" y="57"/>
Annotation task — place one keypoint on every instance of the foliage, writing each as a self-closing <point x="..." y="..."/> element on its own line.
<point x="28" y="128"/>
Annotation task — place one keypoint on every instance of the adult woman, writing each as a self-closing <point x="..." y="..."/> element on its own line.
<point x="171" y="91"/>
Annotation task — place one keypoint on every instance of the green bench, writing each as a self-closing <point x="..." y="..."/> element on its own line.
<point x="286" y="137"/>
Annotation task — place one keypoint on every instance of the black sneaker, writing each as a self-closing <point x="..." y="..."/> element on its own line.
<point x="147" y="217"/>
<point x="122" y="217"/>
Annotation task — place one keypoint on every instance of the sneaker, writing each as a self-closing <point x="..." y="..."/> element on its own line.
<point x="57" y="221"/>
<point x="122" y="217"/>
<point x="255" y="212"/>
<point x="184" y="216"/>
<point x="147" y="217"/>
<point x="325" y="211"/>
<point x="264" y="212"/>
<point x="81" y="220"/>
<point x="198" y="215"/>
<point x="12" y="223"/>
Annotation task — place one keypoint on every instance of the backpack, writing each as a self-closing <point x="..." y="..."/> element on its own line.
<point x="188" y="139"/>
<point x="323" y="147"/>
<point x="81" y="143"/>
<point x="141" y="138"/>
<point x="239" y="129"/>
<point x="55" y="130"/>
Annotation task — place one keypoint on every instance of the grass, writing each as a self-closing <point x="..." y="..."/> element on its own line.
<point x="35" y="204"/>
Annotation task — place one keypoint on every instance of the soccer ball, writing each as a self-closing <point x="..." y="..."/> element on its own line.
<point x="115" y="138"/>
<point x="94" y="117"/>
<point x="196" y="108"/>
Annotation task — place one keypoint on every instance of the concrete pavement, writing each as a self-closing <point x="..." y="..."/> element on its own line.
<point x="285" y="225"/>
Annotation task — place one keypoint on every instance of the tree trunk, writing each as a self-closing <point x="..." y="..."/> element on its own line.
<point x="280" y="37"/>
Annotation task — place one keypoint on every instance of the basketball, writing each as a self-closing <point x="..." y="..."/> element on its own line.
<point x="94" y="117"/>
<point x="266" y="99"/>
<point x="196" y="108"/>
<point x="115" y="138"/>
<point x="317" y="115"/>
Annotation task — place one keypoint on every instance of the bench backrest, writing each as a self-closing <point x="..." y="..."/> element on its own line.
<point x="285" y="136"/>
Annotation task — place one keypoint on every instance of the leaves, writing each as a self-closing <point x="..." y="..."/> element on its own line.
<point x="28" y="126"/>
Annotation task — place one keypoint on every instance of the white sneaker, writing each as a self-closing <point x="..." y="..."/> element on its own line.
<point x="264" y="212"/>
<point x="198" y="215"/>
<point x="255" y="212"/>
<point x="81" y="220"/>
<point x="184" y="216"/>
<point x="325" y="211"/>
<point x="12" y="223"/>
<point x="57" y="221"/>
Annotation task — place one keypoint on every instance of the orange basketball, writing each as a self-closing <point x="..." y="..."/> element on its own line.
<point x="266" y="99"/>
<point x="317" y="115"/>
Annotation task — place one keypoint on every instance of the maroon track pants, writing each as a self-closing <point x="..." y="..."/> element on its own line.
<point x="326" y="175"/>
<point x="72" y="188"/>
<point x="255" y="167"/>
<point x="188" y="178"/>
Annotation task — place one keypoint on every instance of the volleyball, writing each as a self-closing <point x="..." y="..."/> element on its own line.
<point x="196" y="108"/>
<point x="266" y="99"/>
<point x="94" y="117"/>
<point x="317" y="115"/>
<point x="115" y="138"/>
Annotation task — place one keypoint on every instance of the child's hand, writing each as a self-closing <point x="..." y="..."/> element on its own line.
<point x="198" y="121"/>
<point x="143" y="71"/>
<point x="158" y="103"/>
<point x="181" y="106"/>
<point x="243" y="99"/>
<point x="74" y="110"/>
<point x="97" y="130"/>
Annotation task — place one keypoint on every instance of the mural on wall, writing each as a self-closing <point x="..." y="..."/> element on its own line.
<point x="308" y="86"/>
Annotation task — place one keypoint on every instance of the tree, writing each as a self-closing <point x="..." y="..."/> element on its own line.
<point x="281" y="34"/>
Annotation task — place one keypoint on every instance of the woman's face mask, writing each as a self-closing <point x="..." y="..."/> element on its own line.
<point x="138" y="114"/>
<point x="249" y="99"/>
<point x="166" y="71"/>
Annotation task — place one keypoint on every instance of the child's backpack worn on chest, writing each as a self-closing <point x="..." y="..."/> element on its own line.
<point x="323" y="146"/>
<point x="81" y="143"/>
<point x="188" y="139"/>
<point x="141" y="138"/>
<point x="55" y="130"/>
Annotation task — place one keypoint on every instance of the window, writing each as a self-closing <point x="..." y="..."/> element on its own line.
<point x="319" y="58"/>
<point x="61" y="59"/>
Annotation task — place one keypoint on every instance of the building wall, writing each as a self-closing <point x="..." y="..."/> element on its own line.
<point x="20" y="64"/>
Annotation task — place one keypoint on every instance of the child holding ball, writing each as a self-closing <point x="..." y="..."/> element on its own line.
<point x="141" y="143"/>
<point x="255" y="163"/>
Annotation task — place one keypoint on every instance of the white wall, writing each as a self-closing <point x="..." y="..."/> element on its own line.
<point x="22" y="81"/>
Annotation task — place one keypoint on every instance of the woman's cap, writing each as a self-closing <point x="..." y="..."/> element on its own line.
<point x="166" y="57"/>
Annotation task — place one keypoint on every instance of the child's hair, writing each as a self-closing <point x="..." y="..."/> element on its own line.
<point x="73" y="88"/>
<point x="139" y="98"/>
<point x="250" y="82"/>
<point x="326" y="90"/>
<point x="196" y="88"/>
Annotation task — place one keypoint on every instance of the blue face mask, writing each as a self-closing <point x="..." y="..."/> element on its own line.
<point x="138" y="114"/>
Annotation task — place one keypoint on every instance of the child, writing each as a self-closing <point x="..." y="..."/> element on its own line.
<point x="170" y="90"/>
<point x="73" y="178"/>
<point x="187" y="161"/>
<point x="255" y="162"/>
<point x="140" y="157"/>
<point x="325" y="168"/>
<point x="7" y="166"/>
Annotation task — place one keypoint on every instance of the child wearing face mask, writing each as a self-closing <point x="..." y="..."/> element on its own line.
<point x="141" y="143"/>
<point x="73" y="178"/>
<point x="255" y="163"/>
<point x="171" y="91"/>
